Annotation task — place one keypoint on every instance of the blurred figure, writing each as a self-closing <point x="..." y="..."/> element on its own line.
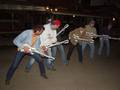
<point x="90" y="29"/>
<point x="104" y="41"/>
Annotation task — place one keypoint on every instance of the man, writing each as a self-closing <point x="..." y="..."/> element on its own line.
<point x="78" y="38"/>
<point x="82" y="37"/>
<point x="104" y="41"/>
<point x="31" y="38"/>
<point x="49" y="37"/>
<point x="91" y="30"/>
<point x="75" y="43"/>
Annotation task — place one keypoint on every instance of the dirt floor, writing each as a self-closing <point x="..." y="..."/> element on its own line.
<point x="103" y="74"/>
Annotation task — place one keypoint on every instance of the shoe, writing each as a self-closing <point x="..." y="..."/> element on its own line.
<point x="44" y="76"/>
<point x="7" y="82"/>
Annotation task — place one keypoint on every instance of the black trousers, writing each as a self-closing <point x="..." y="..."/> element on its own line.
<point x="79" y="50"/>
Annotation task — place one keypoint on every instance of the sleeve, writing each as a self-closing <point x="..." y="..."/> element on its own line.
<point x="71" y="38"/>
<point x="19" y="40"/>
<point x="95" y="31"/>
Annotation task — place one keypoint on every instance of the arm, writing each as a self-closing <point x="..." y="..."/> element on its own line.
<point x="71" y="37"/>
<point x="20" y="39"/>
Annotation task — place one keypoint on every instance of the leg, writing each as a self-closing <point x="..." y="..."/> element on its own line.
<point x="49" y="61"/>
<point x="83" y="47"/>
<point x="53" y="50"/>
<point x="70" y="50"/>
<point x="108" y="46"/>
<point x="79" y="50"/>
<point x="62" y="53"/>
<point x="39" y="60"/>
<point x="101" y="46"/>
<point x="29" y="64"/>
<point x="14" y="65"/>
<point x="91" y="52"/>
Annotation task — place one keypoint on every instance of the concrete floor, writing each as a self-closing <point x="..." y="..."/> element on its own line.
<point x="103" y="74"/>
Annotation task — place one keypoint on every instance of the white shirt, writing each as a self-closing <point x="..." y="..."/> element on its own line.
<point x="48" y="36"/>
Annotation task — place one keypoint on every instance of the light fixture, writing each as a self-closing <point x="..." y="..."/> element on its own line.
<point x="47" y="8"/>
<point x="56" y="9"/>
<point x="113" y="19"/>
<point x="51" y="9"/>
<point x="73" y="15"/>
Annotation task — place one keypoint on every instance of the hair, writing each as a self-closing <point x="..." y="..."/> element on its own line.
<point x="38" y="27"/>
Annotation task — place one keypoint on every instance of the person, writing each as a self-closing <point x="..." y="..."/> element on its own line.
<point x="79" y="38"/>
<point x="31" y="38"/>
<point x="104" y="41"/>
<point x="91" y="30"/>
<point x="73" y="43"/>
<point x="49" y="36"/>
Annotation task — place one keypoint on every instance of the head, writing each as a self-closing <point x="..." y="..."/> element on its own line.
<point x="55" y="24"/>
<point x="92" y="23"/>
<point x="38" y="29"/>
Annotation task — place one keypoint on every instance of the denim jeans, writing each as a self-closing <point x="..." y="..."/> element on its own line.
<point x="16" y="61"/>
<point x="54" y="51"/>
<point x="53" y="54"/>
<point x="91" y="50"/>
<point x="30" y="63"/>
<point x="47" y="61"/>
<point x="62" y="53"/>
<point x="104" y="42"/>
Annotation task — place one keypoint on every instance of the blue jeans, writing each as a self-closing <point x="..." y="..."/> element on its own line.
<point x="19" y="56"/>
<point x="50" y="65"/>
<point x="62" y="53"/>
<point x="91" y="50"/>
<point x="104" y="42"/>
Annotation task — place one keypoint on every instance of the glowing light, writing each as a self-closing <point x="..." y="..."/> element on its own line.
<point x="51" y="9"/>
<point x="113" y="19"/>
<point x="73" y="15"/>
<point x="47" y="8"/>
<point x="56" y="9"/>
